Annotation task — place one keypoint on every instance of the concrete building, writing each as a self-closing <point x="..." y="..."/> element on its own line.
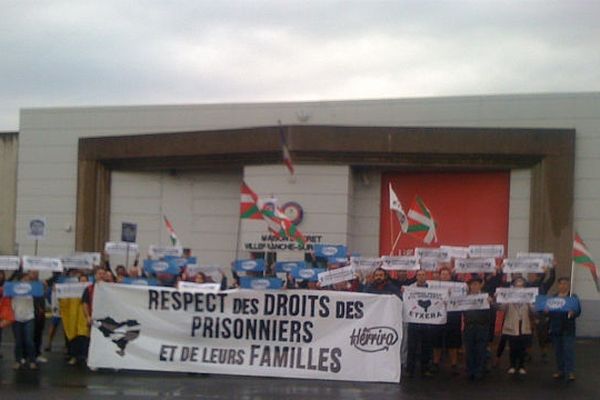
<point x="9" y="145"/>
<point x="89" y="169"/>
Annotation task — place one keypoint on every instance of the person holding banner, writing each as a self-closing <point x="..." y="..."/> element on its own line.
<point x="381" y="284"/>
<point x="447" y="336"/>
<point x="75" y="324"/>
<point x="518" y="329"/>
<point x="23" y="328"/>
<point x="476" y="334"/>
<point x="562" y="331"/>
<point x="40" y="320"/>
<point x="419" y="336"/>
<point x="543" y="282"/>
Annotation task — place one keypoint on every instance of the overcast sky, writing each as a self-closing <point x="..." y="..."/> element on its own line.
<point x="71" y="53"/>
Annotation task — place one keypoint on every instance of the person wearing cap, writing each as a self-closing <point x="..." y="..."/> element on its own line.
<point x="476" y="333"/>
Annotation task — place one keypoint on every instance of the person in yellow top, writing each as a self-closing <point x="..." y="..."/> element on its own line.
<point x="75" y="325"/>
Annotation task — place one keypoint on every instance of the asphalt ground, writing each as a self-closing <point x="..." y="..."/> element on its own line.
<point x="57" y="380"/>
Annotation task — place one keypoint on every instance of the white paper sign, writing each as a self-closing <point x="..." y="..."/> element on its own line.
<point x="474" y="265"/>
<point x="120" y="248"/>
<point x="198" y="287"/>
<point x="336" y="276"/>
<point x="523" y="265"/>
<point x="424" y="305"/>
<point x="36" y="228"/>
<point x="486" y="251"/>
<point x="456" y="251"/>
<point x="440" y="255"/>
<point x="547" y="257"/>
<point x="161" y="251"/>
<point x="455" y="289"/>
<point x="365" y="265"/>
<point x="401" y="263"/>
<point x="94" y="257"/>
<point x="137" y="327"/>
<point x="470" y="302"/>
<point x="429" y="264"/>
<point x="31" y="263"/>
<point x="9" y="263"/>
<point x="72" y="290"/>
<point x="77" y="262"/>
<point x="516" y="295"/>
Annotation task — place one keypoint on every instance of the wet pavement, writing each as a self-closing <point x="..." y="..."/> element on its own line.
<point x="57" y="380"/>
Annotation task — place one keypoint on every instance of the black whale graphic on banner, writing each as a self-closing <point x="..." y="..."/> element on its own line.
<point x="120" y="333"/>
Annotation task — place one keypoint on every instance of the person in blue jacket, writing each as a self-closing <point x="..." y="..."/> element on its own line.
<point x="562" y="332"/>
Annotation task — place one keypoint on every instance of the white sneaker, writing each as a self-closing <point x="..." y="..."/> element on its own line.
<point x="41" y="359"/>
<point x="522" y="371"/>
<point x="511" y="371"/>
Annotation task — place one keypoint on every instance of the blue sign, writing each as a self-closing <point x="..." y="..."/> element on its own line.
<point x="247" y="282"/>
<point x="141" y="281"/>
<point x="181" y="261"/>
<point x="308" y="274"/>
<point x="21" y="289"/>
<point x="162" y="267"/>
<point x="288" y="266"/>
<point x="249" y="265"/>
<point x="337" y="260"/>
<point x="67" y="279"/>
<point x="562" y="304"/>
<point x="330" y="250"/>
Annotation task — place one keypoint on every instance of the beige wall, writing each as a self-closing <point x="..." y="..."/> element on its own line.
<point x="9" y="142"/>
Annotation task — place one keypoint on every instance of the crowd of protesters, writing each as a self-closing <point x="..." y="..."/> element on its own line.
<point x="469" y="334"/>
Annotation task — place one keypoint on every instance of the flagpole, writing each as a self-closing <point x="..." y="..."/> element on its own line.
<point x="391" y="230"/>
<point x="573" y="278"/>
<point x="237" y="241"/>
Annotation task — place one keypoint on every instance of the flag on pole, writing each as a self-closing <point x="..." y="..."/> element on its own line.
<point x="279" y="224"/>
<point x="583" y="257"/>
<point x="171" y="231"/>
<point x="249" y="204"/>
<point x="420" y="222"/>
<point x="396" y="207"/>
<point x="287" y="159"/>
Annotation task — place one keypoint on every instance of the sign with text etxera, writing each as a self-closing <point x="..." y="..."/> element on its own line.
<point x="244" y="332"/>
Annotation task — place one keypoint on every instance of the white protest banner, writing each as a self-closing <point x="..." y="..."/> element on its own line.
<point x="198" y="287"/>
<point x="9" y="263"/>
<point x="456" y="251"/>
<point x="470" y="302"/>
<point x="94" y="257"/>
<point x="474" y="265"/>
<point x="429" y="264"/>
<point x="120" y="248"/>
<point x="293" y="334"/>
<point x="77" y="261"/>
<point x="161" y="251"/>
<point x="516" y="295"/>
<point x="364" y="264"/>
<point x="424" y="305"/>
<point x="455" y="289"/>
<point x="486" y="251"/>
<point x="336" y="276"/>
<point x="547" y="257"/>
<point x="523" y="265"/>
<point x="440" y="255"/>
<point x="71" y="290"/>
<point x="400" y="263"/>
<point x="31" y="263"/>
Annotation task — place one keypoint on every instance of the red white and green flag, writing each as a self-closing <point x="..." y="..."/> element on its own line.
<point x="583" y="257"/>
<point x="249" y="204"/>
<point x="396" y="208"/>
<point x="279" y="224"/>
<point x="420" y="222"/>
<point x="171" y="231"/>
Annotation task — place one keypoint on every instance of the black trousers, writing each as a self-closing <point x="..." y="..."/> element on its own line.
<point x="419" y="338"/>
<point x="38" y="332"/>
<point x="518" y="348"/>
